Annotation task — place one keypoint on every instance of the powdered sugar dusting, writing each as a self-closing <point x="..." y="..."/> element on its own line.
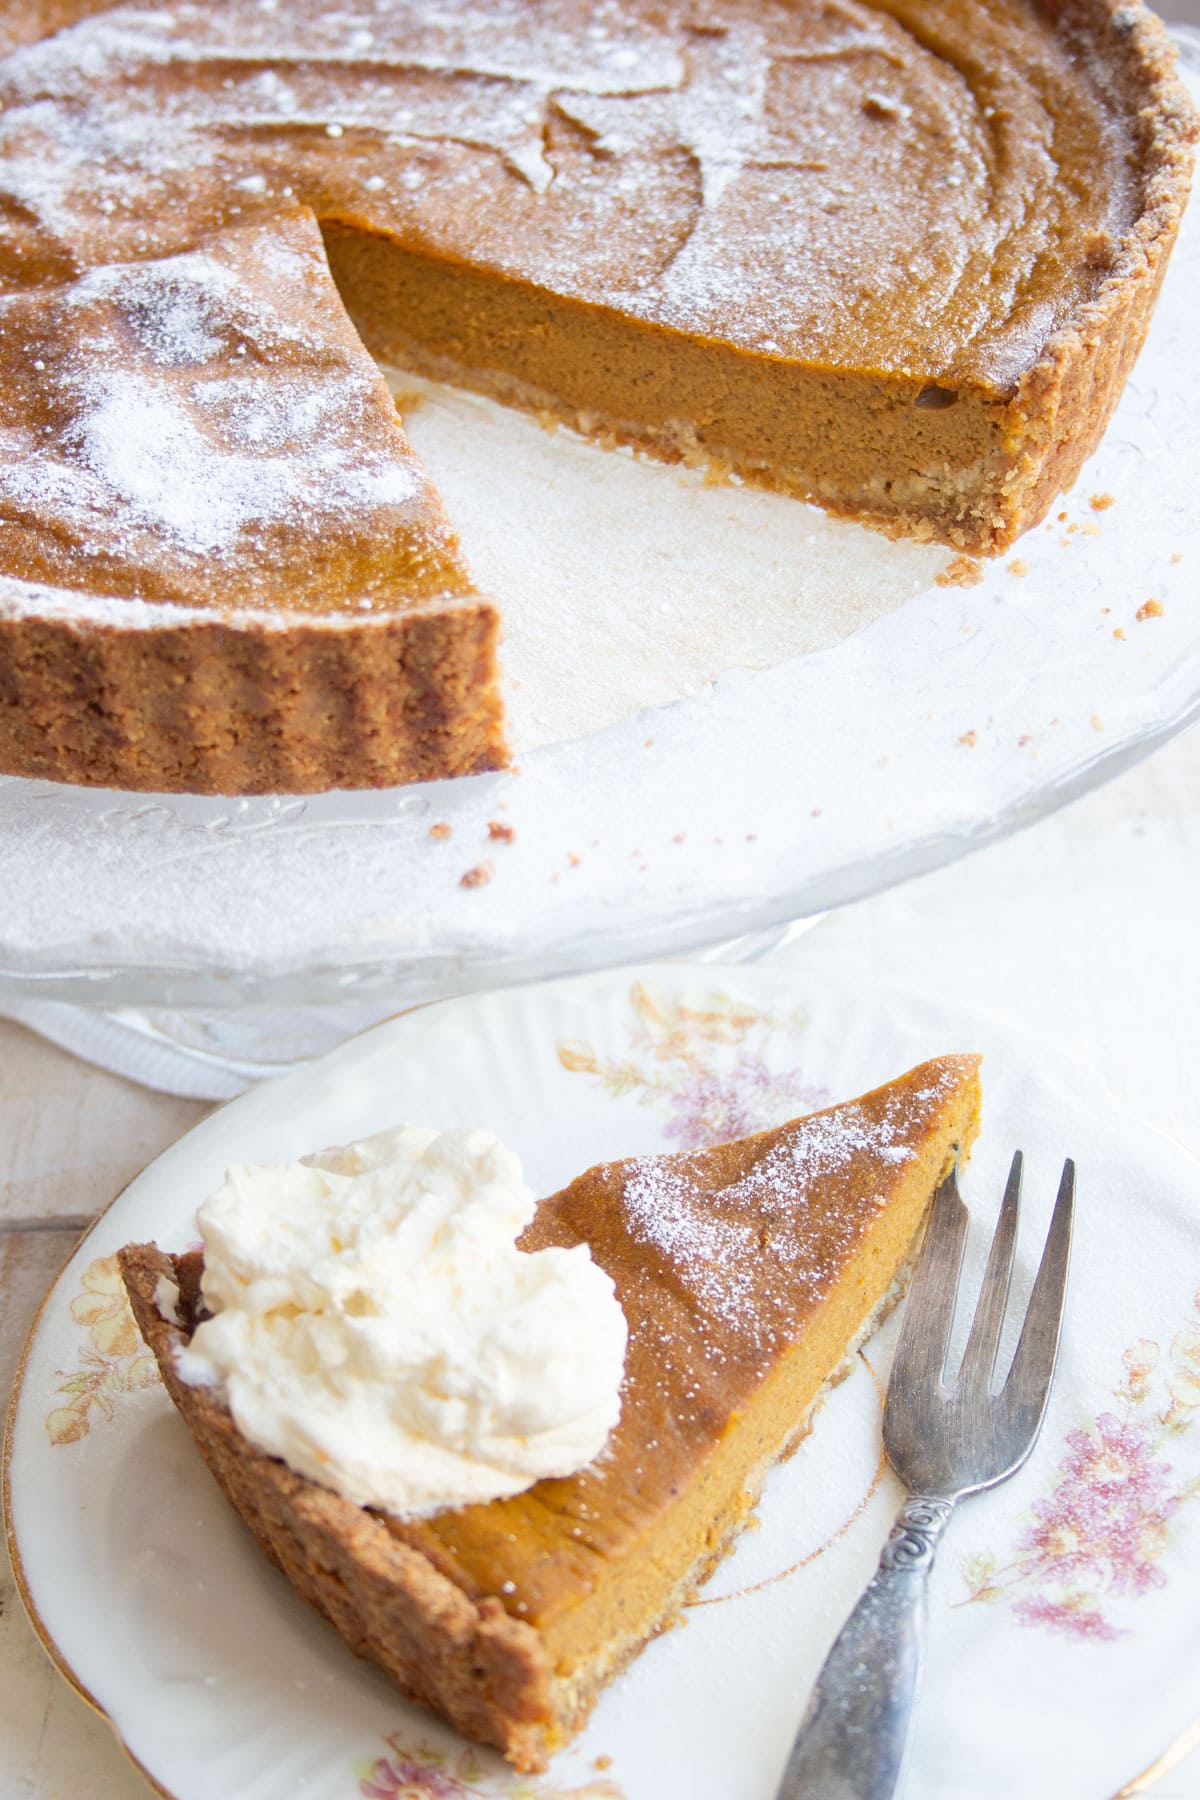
<point x="196" y="416"/>
<point x="177" y="310"/>
<point x="753" y="1253"/>
<point x="145" y="447"/>
<point x="712" y="1255"/>
<point x="721" y="168"/>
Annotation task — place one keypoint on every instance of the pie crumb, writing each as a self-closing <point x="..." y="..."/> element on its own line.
<point x="1018" y="566"/>
<point x="968" y="738"/>
<point x="479" y="876"/>
<point x="501" y="833"/>
<point x="1150" y="609"/>
<point x="602" y="1763"/>
<point x="960" y="571"/>
<point x="441" y="831"/>
<point x="1102" y="502"/>
<point x="717" y="473"/>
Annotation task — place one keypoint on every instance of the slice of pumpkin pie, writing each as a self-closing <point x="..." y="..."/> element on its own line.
<point x="747" y="1275"/>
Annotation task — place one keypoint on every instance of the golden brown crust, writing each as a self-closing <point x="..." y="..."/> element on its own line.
<point x="483" y="1670"/>
<point x="216" y="707"/>
<point x="1064" y="402"/>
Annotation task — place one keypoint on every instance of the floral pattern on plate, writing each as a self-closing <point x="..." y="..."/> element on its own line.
<point x="112" y="1363"/>
<point x="1103" y="1531"/>
<point x="704" y="1059"/>
<point x="416" y="1772"/>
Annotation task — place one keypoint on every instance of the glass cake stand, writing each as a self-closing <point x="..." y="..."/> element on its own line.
<point x="732" y="774"/>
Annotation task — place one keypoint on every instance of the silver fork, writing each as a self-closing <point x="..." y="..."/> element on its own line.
<point x="943" y="1442"/>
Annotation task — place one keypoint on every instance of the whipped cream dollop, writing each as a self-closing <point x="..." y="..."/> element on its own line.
<point x="375" y="1325"/>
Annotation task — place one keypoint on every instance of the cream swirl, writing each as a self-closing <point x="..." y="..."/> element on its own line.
<point x="376" y="1326"/>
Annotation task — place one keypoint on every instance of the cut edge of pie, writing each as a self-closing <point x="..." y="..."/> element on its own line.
<point x="1008" y="447"/>
<point x="508" y="1618"/>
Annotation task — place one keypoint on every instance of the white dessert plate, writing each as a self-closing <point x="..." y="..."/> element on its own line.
<point x="1064" y="1635"/>
<point x="729" y="711"/>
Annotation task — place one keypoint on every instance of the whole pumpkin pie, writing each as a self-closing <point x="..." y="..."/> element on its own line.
<point x="748" y="1274"/>
<point x="896" y="258"/>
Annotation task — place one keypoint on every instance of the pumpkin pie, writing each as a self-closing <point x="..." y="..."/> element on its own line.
<point x="748" y="1273"/>
<point x="896" y="258"/>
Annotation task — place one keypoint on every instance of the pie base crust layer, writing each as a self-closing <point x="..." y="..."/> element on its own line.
<point x="456" y="248"/>
<point x="508" y="1618"/>
<point x="229" y="706"/>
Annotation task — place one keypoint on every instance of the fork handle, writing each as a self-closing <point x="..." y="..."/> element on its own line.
<point x="850" y="1745"/>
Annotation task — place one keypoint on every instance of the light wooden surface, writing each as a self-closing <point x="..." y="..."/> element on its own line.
<point x="1084" y="929"/>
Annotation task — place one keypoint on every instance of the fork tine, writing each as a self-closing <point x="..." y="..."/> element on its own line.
<point x="1022" y="1400"/>
<point x="929" y="1312"/>
<point x="979" y="1357"/>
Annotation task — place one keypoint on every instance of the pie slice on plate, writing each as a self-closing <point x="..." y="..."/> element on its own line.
<point x="748" y="1275"/>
